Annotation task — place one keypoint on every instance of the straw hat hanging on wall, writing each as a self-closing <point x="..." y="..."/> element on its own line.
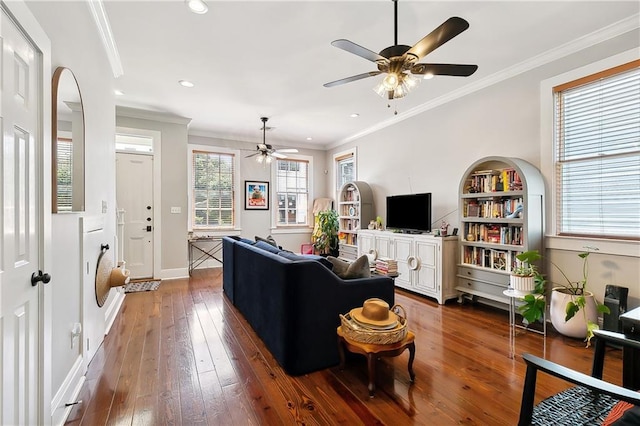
<point x="107" y="276"/>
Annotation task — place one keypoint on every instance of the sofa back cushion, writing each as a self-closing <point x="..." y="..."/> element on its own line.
<point x="294" y="256"/>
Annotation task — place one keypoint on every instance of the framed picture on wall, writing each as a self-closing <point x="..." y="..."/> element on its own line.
<point x="256" y="195"/>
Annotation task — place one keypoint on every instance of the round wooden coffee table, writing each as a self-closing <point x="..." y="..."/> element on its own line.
<point x="374" y="351"/>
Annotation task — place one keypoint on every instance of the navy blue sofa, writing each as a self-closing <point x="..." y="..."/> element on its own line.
<point x="294" y="305"/>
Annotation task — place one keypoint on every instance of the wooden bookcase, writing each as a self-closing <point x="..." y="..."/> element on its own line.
<point x="491" y="191"/>
<point x="355" y="211"/>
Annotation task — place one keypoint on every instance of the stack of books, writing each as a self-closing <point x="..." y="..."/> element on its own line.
<point x="385" y="266"/>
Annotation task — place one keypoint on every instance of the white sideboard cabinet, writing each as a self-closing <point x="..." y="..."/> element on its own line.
<point x="426" y="264"/>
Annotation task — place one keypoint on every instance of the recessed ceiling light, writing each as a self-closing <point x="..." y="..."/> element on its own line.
<point x="309" y="138"/>
<point x="186" y="83"/>
<point x="118" y="92"/>
<point x="354" y="115"/>
<point x="197" y="6"/>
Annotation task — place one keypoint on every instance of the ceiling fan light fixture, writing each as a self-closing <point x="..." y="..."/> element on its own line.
<point x="260" y="158"/>
<point x="391" y="81"/>
<point x="268" y="159"/>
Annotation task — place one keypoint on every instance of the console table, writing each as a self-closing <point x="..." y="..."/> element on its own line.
<point x="202" y="249"/>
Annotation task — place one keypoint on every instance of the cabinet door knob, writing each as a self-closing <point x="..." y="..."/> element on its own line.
<point x="413" y="263"/>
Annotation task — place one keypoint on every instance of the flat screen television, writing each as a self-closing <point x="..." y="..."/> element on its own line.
<point x="409" y="213"/>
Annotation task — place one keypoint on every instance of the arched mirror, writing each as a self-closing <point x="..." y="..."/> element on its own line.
<point x="67" y="186"/>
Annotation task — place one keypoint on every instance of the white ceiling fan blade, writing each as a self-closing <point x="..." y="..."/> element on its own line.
<point x="278" y="155"/>
<point x="289" y="150"/>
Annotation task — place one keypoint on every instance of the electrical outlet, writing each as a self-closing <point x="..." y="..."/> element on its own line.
<point x="176" y="210"/>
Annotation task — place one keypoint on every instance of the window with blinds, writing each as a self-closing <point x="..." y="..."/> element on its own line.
<point x="64" y="185"/>
<point x="292" y="192"/>
<point x="598" y="154"/>
<point x="345" y="170"/>
<point x="213" y="190"/>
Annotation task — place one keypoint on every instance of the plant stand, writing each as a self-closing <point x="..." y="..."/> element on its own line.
<point x="513" y="298"/>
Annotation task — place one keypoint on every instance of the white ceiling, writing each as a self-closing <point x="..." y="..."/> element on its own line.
<point x="271" y="58"/>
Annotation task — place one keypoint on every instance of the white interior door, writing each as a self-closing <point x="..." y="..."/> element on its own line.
<point x="134" y="194"/>
<point x="21" y="215"/>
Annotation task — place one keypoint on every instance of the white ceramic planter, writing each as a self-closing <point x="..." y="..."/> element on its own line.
<point x="522" y="284"/>
<point x="576" y="326"/>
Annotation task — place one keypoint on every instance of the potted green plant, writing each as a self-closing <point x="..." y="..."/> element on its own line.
<point x="525" y="277"/>
<point x="522" y="278"/>
<point x="572" y="298"/>
<point x="327" y="241"/>
<point x="567" y="300"/>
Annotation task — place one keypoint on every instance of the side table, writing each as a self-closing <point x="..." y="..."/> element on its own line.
<point x="373" y="351"/>
<point x="631" y="356"/>
<point x="513" y="298"/>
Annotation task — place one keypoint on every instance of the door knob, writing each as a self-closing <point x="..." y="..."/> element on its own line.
<point x="35" y="279"/>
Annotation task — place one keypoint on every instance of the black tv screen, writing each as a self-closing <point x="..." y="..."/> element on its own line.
<point x="411" y="212"/>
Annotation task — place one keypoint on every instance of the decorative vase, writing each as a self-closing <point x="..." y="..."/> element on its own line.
<point x="576" y="326"/>
<point x="522" y="284"/>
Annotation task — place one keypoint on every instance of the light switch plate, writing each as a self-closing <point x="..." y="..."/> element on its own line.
<point x="176" y="210"/>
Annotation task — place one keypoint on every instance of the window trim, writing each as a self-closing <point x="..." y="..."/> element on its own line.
<point x="283" y="229"/>
<point x="547" y="158"/>
<point x="237" y="204"/>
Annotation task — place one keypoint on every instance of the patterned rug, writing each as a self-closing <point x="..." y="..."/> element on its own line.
<point x="136" y="286"/>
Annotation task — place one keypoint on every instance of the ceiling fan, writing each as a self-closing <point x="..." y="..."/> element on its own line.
<point x="264" y="151"/>
<point x="400" y="62"/>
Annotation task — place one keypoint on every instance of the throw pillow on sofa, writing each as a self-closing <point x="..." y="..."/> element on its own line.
<point x="267" y="247"/>
<point x="269" y="240"/>
<point x="345" y="270"/>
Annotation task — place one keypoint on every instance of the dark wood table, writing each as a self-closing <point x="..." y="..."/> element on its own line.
<point x="373" y="351"/>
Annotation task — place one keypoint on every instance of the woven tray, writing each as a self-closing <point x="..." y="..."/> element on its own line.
<point x="359" y="333"/>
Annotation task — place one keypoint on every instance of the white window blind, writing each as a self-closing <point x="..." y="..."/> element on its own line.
<point x="598" y="154"/>
<point x="213" y="190"/>
<point x="345" y="170"/>
<point x="292" y="191"/>
<point x="64" y="184"/>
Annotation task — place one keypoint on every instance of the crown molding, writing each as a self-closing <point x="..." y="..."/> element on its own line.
<point x="104" y="31"/>
<point x="142" y="114"/>
<point x="606" y="33"/>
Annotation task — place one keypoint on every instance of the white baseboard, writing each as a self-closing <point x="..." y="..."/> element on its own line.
<point x="67" y="393"/>
<point x="168" y="274"/>
<point x="112" y="310"/>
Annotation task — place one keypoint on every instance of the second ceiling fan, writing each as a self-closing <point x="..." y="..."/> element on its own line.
<point x="264" y="151"/>
<point x="400" y="62"/>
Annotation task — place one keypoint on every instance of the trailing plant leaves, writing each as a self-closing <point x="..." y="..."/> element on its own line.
<point x="533" y="308"/>
<point x="603" y="309"/>
<point x="572" y="309"/>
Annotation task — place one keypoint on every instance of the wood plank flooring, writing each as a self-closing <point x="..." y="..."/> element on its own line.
<point x="183" y="355"/>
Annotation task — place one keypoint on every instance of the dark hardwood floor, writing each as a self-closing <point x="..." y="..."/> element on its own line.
<point x="183" y="355"/>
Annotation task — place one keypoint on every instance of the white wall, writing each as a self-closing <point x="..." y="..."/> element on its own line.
<point x="75" y="45"/>
<point x="432" y="150"/>
<point x="258" y="222"/>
